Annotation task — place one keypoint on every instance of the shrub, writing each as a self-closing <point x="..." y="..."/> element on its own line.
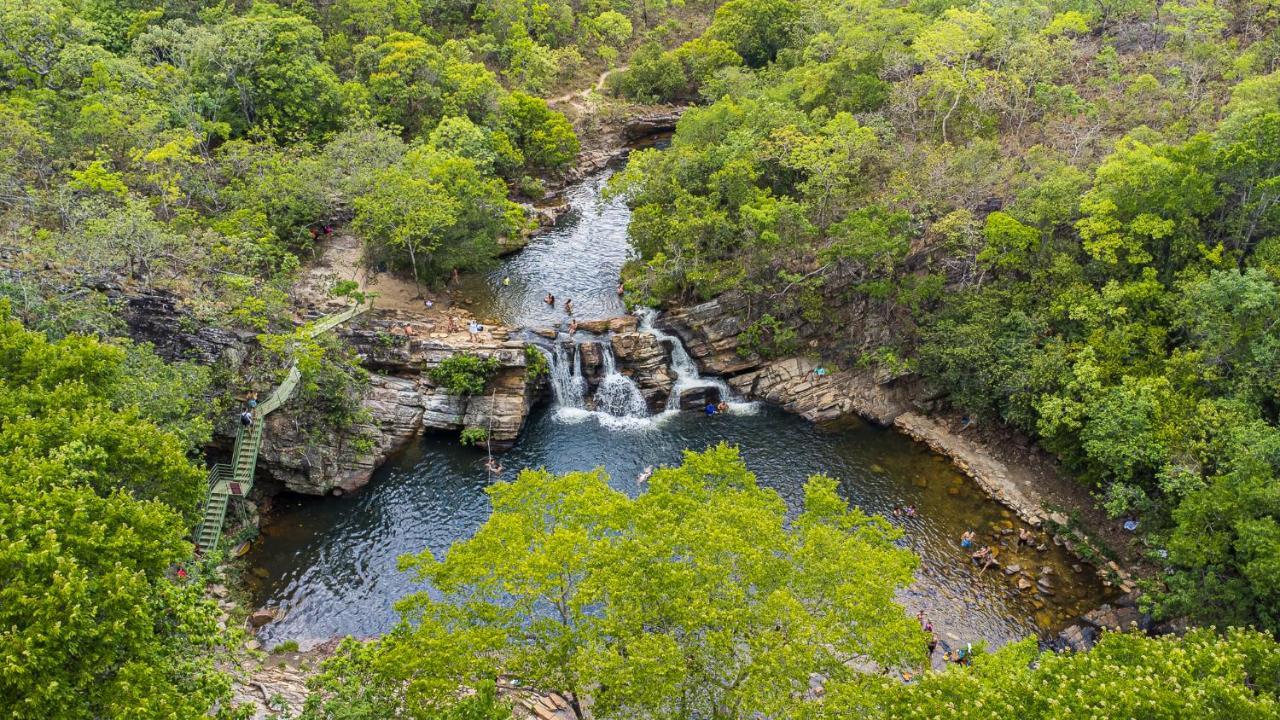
<point x="535" y="364"/>
<point x="473" y="436"/>
<point x="767" y="337"/>
<point x="464" y="374"/>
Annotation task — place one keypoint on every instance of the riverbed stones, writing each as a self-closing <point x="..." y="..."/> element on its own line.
<point x="1108" y="617"/>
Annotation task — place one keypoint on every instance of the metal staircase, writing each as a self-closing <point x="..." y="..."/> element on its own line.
<point x="236" y="478"/>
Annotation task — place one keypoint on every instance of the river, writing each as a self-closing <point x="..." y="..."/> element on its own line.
<point x="329" y="564"/>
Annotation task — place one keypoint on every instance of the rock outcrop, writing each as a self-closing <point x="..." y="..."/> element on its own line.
<point x="654" y="123"/>
<point x="402" y="402"/>
<point x="642" y="358"/>
<point x="158" y="317"/>
<point x="710" y="335"/>
<point x="343" y="461"/>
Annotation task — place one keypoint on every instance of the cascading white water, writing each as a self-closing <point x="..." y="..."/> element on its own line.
<point x="687" y="375"/>
<point x="618" y="394"/>
<point x="567" y="383"/>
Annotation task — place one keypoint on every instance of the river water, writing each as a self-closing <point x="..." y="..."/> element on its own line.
<point x="329" y="564"/>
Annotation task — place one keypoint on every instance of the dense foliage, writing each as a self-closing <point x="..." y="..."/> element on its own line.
<point x="97" y="498"/>
<point x="695" y="599"/>
<point x="206" y="148"/>
<point x="1202" y="675"/>
<point x="1066" y="215"/>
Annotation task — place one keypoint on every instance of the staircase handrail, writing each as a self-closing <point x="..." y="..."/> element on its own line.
<point x="249" y="442"/>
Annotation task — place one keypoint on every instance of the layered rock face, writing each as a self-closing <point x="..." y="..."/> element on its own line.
<point x="157" y="317"/>
<point x="403" y="402"/>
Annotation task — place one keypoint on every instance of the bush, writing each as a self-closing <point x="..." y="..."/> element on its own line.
<point x="474" y="436"/>
<point x="464" y="374"/>
<point x="768" y="338"/>
<point x="535" y="364"/>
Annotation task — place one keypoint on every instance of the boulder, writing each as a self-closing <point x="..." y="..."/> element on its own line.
<point x="642" y="126"/>
<point x="1077" y="637"/>
<point x="262" y="616"/>
<point x="1113" y="618"/>
<point x="697" y="398"/>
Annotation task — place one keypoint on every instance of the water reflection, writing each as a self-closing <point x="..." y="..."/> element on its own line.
<point x="331" y="563"/>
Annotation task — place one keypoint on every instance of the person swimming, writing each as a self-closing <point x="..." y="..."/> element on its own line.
<point x="550" y="300"/>
<point x="966" y="540"/>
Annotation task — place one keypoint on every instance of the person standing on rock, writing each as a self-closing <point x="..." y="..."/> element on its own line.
<point x="473" y="331"/>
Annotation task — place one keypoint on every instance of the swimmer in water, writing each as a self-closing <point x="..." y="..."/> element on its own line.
<point x="550" y="300"/>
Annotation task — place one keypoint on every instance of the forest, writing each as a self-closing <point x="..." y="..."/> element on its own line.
<point x="1064" y="214"/>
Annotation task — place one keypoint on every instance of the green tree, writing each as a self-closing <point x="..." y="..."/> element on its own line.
<point x="755" y="29"/>
<point x="263" y="70"/>
<point x="545" y="137"/>
<point x="695" y="599"/>
<point x="95" y="504"/>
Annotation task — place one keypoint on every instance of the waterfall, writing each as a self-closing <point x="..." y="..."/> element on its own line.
<point x="567" y="383"/>
<point x="616" y="397"/>
<point x="618" y="394"/>
<point x="618" y="402"/>
<point x="687" y="375"/>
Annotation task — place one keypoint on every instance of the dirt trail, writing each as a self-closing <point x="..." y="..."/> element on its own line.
<point x="585" y="92"/>
<point x="341" y="257"/>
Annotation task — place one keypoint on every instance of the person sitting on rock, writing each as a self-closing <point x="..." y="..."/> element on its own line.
<point x="1025" y="537"/>
<point x="573" y="326"/>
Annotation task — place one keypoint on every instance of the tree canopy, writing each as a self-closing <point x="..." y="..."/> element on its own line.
<point x="697" y="598"/>
<point x="97" y="499"/>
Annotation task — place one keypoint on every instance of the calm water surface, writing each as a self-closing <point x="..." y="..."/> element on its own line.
<point x="330" y="563"/>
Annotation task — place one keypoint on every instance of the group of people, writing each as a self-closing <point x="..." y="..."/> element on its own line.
<point x="551" y="300"/>
<point x="904" y="510"/>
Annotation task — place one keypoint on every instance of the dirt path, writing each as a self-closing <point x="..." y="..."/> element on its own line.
<point x="341" y="257"/>
<point x="585" y="92"/>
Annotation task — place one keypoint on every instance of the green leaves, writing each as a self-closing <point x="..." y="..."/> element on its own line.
<point x="464" y="373"/>
<point x="95" y="504"/>
<point x="1127" y="675"/>
<point x="693" y="599"/>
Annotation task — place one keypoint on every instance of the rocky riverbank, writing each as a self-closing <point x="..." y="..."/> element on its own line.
<point x="1028" y="483"/>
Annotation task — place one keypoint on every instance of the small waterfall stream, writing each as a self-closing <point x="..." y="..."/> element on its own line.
<point x="618" y="394"/>
<point x="616" y="397"/>
<point x="567" y="382"/>
<point x="686" y="370"/>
